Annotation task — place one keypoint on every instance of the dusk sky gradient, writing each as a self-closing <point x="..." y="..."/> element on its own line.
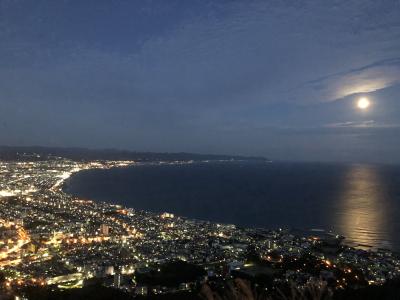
<point x="273" y="78"/>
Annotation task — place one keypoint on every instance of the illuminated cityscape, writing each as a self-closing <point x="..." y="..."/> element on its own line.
<point x="199" y="149"/>
<point x="51" y="239"/>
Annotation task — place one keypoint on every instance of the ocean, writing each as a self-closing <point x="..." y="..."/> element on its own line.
<point x="360" y="202"/>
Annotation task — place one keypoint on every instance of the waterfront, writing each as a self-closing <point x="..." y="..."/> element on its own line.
<point x="359" y="201"/>
<point x="52" y="240"/>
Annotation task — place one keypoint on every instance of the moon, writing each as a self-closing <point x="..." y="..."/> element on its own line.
<point x="363" y="103"/>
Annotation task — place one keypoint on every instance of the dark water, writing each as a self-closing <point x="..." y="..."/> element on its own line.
<point x="362" y="202"/>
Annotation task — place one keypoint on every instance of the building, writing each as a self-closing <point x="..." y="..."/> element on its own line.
<point x="117" y="280"/>
<point x="104" y="229"/>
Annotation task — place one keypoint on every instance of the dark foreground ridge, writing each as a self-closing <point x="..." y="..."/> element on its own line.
<point x="237" y="289"/>
<point x="37" y="153"/>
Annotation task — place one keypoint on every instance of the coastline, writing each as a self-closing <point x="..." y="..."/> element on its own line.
<point x="83" y="239"/>
<point x="65" y="186"/>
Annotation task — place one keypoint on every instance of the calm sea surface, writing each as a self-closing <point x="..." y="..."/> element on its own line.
<point x="361" y="202"/>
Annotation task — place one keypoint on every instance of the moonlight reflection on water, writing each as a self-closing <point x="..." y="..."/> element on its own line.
<point x="362" y="216"/>
<point x="361" y="202"/>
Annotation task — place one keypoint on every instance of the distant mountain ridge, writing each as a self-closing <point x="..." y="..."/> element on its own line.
<point x="79" y="154"/>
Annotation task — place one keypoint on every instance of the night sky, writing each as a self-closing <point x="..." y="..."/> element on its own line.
<point x="274" y="78"/>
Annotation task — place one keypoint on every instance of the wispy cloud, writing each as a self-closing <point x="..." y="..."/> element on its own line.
<point x="361" y="124"/>
<point x="163" y="75"/>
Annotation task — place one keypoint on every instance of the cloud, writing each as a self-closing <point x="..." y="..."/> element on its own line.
<point x="244" y="55"/>
<point x="361" y="124"/>
<point x="252" y="77"/>
<point x="365" y="79"/>
<point x="224" y="54"/>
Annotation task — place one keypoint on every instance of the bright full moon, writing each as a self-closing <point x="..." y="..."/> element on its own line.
<point x="363" y="103"/>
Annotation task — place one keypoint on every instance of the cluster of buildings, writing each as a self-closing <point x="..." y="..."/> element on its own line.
<point x="49" y="238"/>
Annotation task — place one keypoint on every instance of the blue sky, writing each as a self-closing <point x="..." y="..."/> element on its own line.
<point x="272" y="78"/>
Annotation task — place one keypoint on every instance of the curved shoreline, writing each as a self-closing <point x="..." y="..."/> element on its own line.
<point x="67" y="230"/>
<point x="380" y="243"/>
